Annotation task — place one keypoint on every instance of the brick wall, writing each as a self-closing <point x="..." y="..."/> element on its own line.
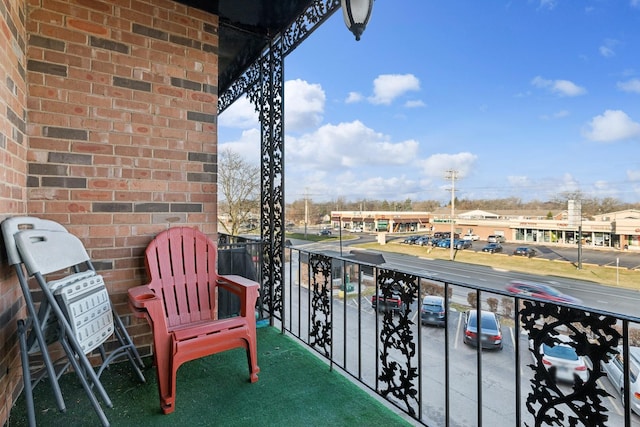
<point x="13" y="154"/>
<point x="121" y="125"/>
<point x="116" y="103"/>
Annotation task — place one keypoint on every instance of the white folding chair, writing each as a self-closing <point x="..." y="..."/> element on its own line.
<point x="78" y="304"/>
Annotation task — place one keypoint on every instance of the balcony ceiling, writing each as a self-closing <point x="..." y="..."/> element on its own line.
<point x="246" y="28"/>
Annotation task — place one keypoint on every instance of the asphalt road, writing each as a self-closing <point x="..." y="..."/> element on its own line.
<point x="597" y="256"/>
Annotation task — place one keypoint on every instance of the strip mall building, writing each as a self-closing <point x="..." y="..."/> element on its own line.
<point x="615" y="229"/>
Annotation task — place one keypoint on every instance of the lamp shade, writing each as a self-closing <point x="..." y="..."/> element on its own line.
<point x="356" y="15"/>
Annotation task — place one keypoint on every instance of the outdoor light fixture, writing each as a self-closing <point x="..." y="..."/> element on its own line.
<point x="356" y="15"/>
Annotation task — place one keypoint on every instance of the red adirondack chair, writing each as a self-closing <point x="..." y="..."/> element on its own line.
<point x="180" y="304"/>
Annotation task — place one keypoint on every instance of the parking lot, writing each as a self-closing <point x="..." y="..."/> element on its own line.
<point x="497" y="376"/>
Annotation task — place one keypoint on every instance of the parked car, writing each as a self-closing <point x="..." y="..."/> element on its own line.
<point x="324" y="232"/>
<point x="433" y="311"/>
<point x="524" y="251"/>
<point x="444" y="243"/>
<point x="390" y="303"/>
<point x="540" y="290"/>
<point x="462" y="244"/>
<point x="561" y="360"/>
<point x="490" y="329"/>
<point x="496" y="238"/>
<point x="470" y="236"/>
<point x="492" y="248"/>
<point x="410" y="240"/>
<point x="422" y="240"/>
<point x="614" y="369"/>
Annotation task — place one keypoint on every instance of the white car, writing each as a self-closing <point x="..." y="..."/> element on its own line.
<point x="561" y="359"/>
<point x="614" y="369"/>
<point x="472" y="237"/>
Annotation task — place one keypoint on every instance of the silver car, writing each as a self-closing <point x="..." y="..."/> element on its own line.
<point x="614" y="369"/>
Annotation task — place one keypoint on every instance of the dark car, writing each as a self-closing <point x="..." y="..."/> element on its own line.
<point x="492" y="248"/>
<point x="433" y="311"/>
<point x="540" y="290"/>
<point x="325" y="232"/>
<point x="490" y="329"/>
<point x="524" y="251"/>
<point x="462" y="244"/>
<point x="410" y="240"/>
<point x="391" y="302"/>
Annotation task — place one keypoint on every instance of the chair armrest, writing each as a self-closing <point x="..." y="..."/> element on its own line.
<point x="144" y="302"/>
<point x="245" y="289"/>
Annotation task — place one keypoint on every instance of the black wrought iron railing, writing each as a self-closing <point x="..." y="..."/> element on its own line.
<point x="545" y="363"/>
<point x="526" y="372"/>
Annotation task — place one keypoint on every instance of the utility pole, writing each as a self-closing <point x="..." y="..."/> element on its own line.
<point x="306" y="211"/>
<point x="452" y="175"/>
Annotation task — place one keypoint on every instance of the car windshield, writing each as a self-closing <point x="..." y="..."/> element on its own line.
<point x="432" y="307"/>
<point x="488" y="322"/>
<point x="560" y="351"/>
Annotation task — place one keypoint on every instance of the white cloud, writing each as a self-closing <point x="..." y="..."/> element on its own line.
<point x="559" y="87"/>
<point x="354" y="97"/>
<point x="566" y="183"/>
<point x="612" y="125"/>
<point x="519" y="180"/>
<point x="607" y="48"/>
<point x="437" y="165"/>
<point x="303" y="105"/>
<point x="633" y="175"/>
<point x="415" y="104"/>
<point x="351" y="144"/>
<point x="304" y="108"/>
<point x="606" y="51"/>
<point x="548" y="4"/>
<point x="557" y="115"/>
<point x="248" y="146"/>
<point x="632" y="85"/>
<point x="387" y="87"/>
<point x="240" y="115"/>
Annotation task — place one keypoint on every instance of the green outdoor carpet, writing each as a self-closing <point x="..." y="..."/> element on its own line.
<point x="295" y="388"/>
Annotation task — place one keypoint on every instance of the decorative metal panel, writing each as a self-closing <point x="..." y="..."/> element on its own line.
<point x="263" y="82"/>
<point x="320" y="309"/>
<point x="591" y="335"/>
<point x="301" y="28"/>
<point x="269" y="97"/>
<point x="398" y="375"/>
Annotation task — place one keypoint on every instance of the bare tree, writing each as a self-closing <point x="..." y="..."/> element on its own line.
<point x="239" y="186"/>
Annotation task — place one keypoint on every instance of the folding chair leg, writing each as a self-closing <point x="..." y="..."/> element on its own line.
<point x="26" y="373"/>
<point x="125" y="340"/>
<point x="82" y="372"/>
<point x="36" y="328"/>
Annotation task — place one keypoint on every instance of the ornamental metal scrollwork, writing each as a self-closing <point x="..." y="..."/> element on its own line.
<point x="591" y="335"/>
<point x="398" y="370"/>
<point x="320" y="287"/>
<point x="263" y="82"/>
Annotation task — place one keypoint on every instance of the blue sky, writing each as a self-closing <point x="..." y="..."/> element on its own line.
<point x="522" y="98"/>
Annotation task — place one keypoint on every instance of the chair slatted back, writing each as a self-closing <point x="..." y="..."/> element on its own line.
<point x="181" y="263"/>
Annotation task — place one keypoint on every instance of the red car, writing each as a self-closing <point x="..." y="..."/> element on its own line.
<point x="540" y="290"/>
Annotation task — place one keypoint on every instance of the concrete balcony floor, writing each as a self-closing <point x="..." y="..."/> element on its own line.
<point x="295" y="388"/>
